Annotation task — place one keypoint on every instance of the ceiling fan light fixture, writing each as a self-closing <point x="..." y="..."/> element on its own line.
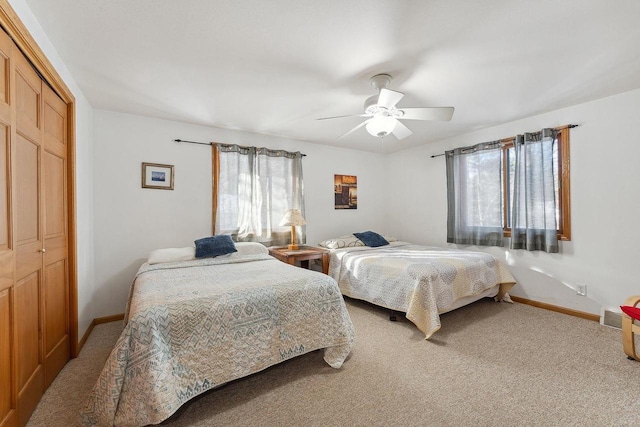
<point x="384" y="117"/>
<point x="381" y="125"/>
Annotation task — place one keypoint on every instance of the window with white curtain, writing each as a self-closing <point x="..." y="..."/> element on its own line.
<point x="556" y="158"/>
<point x="515" y="187"/>
<point x="474" y="189"/>
<point x="253" y="189"/>
<point x="534" y="207"/>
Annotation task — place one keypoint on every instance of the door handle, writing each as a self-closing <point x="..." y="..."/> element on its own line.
<point x="43" y="250"/>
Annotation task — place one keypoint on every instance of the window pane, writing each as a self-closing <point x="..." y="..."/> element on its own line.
<point x="511" y="167"/>
<point x="481" y="188"/>
<point x="560" y="183"/>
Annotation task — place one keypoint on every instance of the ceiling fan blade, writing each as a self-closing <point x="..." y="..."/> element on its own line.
<point x="389" y="98"/>
<point x="355" y="128"/>
<point x="400" y="131"/>
<point x="427" y="113"/>
<point x="339" y="117"/>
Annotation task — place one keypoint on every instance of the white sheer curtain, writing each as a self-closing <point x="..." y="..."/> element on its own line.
<point x="254" y="189"/>
<point x="533" y="215"/>
<point x="474" y="193"/>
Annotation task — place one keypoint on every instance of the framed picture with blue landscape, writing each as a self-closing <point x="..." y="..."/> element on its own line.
<point x="157" y="176"/>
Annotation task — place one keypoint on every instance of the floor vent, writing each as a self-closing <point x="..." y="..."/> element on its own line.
<point x="612" y="319"/>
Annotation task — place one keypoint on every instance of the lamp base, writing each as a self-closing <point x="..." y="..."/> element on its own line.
<point x="293" y="247"/>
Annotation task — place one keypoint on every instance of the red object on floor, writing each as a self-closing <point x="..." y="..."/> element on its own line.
<point x="633" y="312"/>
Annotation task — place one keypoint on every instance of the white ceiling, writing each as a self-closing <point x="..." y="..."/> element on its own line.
<point x="274" y="66"/>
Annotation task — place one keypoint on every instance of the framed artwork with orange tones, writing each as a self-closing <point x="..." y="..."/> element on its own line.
<point x="345" y="189"/>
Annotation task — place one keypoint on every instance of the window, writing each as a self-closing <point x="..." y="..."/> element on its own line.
<point x="474" y="190"/>
<point x="561" y="183"/>
<point x="252" y="190"/>
<point x="489" y="189"/>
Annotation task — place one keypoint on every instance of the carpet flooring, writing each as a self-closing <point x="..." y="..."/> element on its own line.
<point x="491" y="364"/>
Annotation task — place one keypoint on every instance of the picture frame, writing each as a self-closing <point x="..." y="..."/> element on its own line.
<point x="157" y="176"/>
<point x="345" y="189"/>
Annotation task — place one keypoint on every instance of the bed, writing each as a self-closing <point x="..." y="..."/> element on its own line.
<point x="421" y="281"/>
<point x="194" y="324"/>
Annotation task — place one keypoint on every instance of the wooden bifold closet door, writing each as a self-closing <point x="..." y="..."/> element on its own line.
<point x="8" y="399"/>
<point x="34" y="276"/>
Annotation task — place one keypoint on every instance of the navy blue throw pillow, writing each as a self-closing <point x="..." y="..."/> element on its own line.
<point x="213" y="246"/>
<point x="371" y="239"/>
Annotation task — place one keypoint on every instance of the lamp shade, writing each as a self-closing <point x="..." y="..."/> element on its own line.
<point x="293" y="217"/>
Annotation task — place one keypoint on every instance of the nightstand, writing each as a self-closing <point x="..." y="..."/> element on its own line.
<point x="304" y="254"/>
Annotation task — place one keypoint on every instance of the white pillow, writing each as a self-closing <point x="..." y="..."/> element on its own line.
<point x="341" y="242"/>
<point x="172" y="255"/>
<point x="347" y="242"/>
<point x="250" y="248"/>
<point x="189" y="253"/>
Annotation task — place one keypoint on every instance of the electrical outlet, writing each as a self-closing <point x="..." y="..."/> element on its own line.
<point x="582" y="290"/>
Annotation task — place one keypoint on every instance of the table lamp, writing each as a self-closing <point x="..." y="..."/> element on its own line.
<point x="293" y="217"/>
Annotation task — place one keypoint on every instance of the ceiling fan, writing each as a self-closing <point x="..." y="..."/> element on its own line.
<point x="384" y="116"/>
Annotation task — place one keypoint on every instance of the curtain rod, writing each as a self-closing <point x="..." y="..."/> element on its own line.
<point x="509" y="139"/>
<point x="193" y="142"/>
<point x="210" y="143"/>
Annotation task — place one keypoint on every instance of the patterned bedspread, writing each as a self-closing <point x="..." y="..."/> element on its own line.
<point x="194" y="325"/>
<point x="422" y="281"/>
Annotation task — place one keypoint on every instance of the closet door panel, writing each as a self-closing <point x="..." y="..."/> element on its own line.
<point x="8" y="397"/>
<point x="30" y="372"/>
<point x="4" y="78"/>
<point x="28" y="259"/>
<point x="56" y="332"/>
<point x="27" y="180"/>
<point x="6" y="51"/>
<point x="54" y="196"/>
<point x="7" y="389"/>
<point x="55" y="123"/>
<point x="6" y="349"/>
<point x="5" y="182"/>
<point x="27" y="228"/>
<point x="28" y="342"/>
<point x="28" y="290"/>
<point x="56" y="271"/>
<point x="6" y="244"/>
<point x="28" y="87"/>
<point x="55" y="296"/>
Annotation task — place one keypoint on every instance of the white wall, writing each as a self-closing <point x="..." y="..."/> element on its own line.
<point x="84" y="174"/>
<point x="402" y="193"/>
<point x="604" y="196"/>
<point x="604" y="250"/>
<point x="131" y="221"/>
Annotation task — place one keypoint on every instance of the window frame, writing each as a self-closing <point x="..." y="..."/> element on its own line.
<point x="564" y="183"/>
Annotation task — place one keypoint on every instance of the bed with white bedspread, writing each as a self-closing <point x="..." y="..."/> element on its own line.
<point x="194" y="325"/>
<point x="421" y="281"/>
